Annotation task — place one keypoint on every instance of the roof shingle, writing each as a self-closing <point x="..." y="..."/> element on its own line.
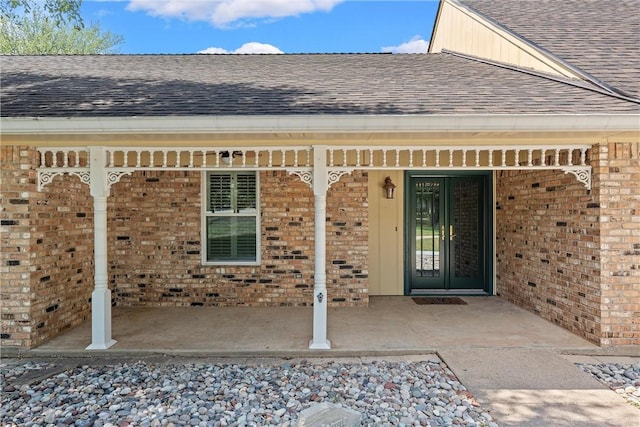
<point x="185" y="85"/>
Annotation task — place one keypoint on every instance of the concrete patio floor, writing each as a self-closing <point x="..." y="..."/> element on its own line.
<point x="388" y="325"/>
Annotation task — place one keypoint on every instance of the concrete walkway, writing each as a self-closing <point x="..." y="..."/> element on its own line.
<point x="539" y="387"/>
<point x="516" y="364"/>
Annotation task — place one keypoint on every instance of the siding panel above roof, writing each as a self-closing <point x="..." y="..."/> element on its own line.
<point x="460" y="30"/>
<point x="600" y="37"/>
<point x="351" y="84"/>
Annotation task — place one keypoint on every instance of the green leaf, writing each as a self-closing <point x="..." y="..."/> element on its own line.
<point x="38" y="32"/>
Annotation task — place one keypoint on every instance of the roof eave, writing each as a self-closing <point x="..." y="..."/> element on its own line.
<point x="322" y="124"/>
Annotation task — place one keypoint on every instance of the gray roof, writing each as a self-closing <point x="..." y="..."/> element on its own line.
<point x="187" y="85"/>
<point x="600" y="37"/>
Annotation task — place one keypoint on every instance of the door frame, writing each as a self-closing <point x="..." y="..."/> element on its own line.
<point x="488" y="254"/>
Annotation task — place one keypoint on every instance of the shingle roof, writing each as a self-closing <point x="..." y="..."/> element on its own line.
<point x="184" y="85"/>
<point x="600" y="37"/>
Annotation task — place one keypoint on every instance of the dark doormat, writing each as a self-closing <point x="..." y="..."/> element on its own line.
<point x="438" y="300"/>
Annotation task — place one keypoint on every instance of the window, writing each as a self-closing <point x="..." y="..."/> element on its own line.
<point x="231" y="218"/>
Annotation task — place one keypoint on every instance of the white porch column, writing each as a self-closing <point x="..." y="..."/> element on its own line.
<point x="101" y="296"/>
<point x="320" y="187"/>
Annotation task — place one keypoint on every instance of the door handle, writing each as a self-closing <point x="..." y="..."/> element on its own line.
<point x="451" y="235"/>
<point x="442" y="233"/>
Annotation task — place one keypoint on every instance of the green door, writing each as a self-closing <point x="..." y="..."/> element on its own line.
<point x="448" y="243"/>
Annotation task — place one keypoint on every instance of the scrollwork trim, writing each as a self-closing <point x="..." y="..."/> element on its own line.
<point x="582" y="175"/>
<point x="305" y="175"/>
<point x="46" y="177"/>
<point x="334" y="175"/>
<point x="113" y="177"/>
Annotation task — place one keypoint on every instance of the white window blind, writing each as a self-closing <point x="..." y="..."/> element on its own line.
<point x="220" y="193"/>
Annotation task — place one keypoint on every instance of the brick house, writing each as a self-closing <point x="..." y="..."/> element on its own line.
<point x="503" y="162"/>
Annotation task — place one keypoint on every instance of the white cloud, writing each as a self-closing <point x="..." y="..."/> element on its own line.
<point x="213" y="50"/>
<point x="247" y="48"/>
<point x="416" y="45"/>
<point x="222" y="13"/>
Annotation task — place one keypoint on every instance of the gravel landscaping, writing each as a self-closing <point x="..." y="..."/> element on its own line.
<point x="270" y="392"/>
<point x="144" y="393"/>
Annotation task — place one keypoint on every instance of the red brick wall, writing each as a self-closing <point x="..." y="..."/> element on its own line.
<point x="18" y="185"/>
<point x="47" y="252"/>
<point x="348" y="240"/>
<point x="571" y="255"/>
<point x="547" y="243"/>
<point x="617" y="178"/>
<point x="154" y="244"/>
<point x="62" y="248"/>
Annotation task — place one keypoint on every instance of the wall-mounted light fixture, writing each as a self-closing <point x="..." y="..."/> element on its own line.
<point x="388" y="188"/>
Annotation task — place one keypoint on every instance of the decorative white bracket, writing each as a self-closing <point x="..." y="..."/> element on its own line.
<point x="334" y="174"/>
<point x="305" y="175"/>
<point x="582" y="175"/>
<point x="45" y="177"/>
<point x="113" y="177"/>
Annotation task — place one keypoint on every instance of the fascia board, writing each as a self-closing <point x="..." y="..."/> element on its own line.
<point x="321" y="124"/>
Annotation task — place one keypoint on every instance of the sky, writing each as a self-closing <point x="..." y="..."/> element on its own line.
<point x="265" y="26"/>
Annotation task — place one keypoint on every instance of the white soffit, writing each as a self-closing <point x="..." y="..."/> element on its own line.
<point x="321" y="124"/>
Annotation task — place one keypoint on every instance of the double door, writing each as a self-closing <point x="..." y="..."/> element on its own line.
<point x="448" y="244"/>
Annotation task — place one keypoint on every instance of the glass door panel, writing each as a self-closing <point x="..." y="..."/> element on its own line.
<point x="426" y="241"/>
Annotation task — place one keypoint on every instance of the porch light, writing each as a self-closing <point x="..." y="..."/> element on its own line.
<point x="388" y="188"/>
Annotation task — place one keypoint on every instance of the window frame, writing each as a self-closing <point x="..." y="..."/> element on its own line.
<point x="205" y="214"/>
